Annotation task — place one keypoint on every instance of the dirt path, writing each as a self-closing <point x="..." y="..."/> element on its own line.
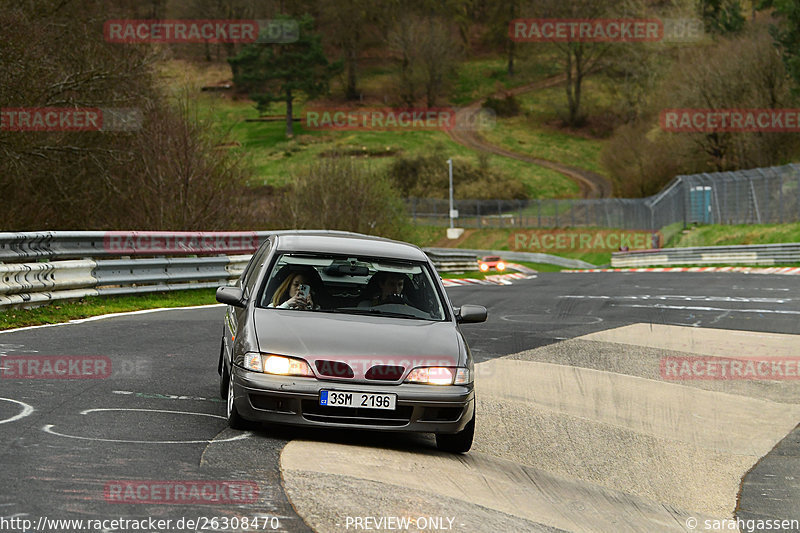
<point x="592" y="185"/>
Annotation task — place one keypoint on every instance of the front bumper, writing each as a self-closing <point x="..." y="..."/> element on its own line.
<point x="289" y="400"/>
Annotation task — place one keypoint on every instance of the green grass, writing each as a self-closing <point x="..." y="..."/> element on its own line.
<point x="530" y="134"/>
<point x="478" y="78"/>
<point x="63" y="311"/>
<point x="274" y="158"/>
<point x="674" y="236"/>
<point x="718" y="235"/>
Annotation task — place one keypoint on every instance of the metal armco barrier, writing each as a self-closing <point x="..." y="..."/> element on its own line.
<point x="20" y="247"/>
<point x="452" y="260"/>
<point x="39" y="267"/>
<point x="758" y="254"/>
<point x="505" y="254"/>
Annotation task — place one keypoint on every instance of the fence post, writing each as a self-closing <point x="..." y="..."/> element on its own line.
<point x="767" y="217"/>
<point x="780" y="200"/>
<point x="556" y="213"/>
<point x="539" y="207"/>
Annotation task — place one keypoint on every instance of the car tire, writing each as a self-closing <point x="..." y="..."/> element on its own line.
<point x="235" y="420"/>
<point x="459" y="442"/>
<point x="223" y="373"/>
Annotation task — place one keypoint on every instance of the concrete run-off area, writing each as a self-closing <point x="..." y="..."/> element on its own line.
<point x="581" y="435"/>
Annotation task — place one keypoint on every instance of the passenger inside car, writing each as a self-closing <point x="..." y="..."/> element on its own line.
<point x="298" y="290"/>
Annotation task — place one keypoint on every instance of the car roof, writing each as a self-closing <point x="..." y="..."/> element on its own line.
<point x="347" y="243"/>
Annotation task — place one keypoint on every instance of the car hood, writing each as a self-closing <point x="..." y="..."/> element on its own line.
<point x="360" y="341"/>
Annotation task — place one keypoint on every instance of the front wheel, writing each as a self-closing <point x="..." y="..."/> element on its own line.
<point x="459" y="442"/>
<point x="235" y="420"/>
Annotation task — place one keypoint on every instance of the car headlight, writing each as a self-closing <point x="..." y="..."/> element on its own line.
<point x="501" y="266"/>
<point x="484" y="267"/>
<point x="277" y="364"/>
<point x="439" y="375"/>
<point x="252" y="361"/>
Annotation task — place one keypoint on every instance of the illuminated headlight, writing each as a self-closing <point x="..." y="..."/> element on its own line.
<point x="286" y="366"/>
<point x="276" y="364"/>
<point x="484" y="267"/>
<point x="439" y="375"/>
<point x="501" y="266"/>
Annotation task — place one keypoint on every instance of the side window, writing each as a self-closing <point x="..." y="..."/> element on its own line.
<point x="250" y="274"/>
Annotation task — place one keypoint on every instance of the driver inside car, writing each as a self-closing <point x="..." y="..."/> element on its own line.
<point x="389" y="290"/>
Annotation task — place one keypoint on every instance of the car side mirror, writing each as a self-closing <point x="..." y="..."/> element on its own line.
<point x="471" y="314"/>
<point x="231" y="296"/>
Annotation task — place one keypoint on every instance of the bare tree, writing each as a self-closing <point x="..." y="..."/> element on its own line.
<point x="743" y="72"/>
<point x="162" y="176"/>
<point x="340" y="193"/>
<point x="428" y="58"/>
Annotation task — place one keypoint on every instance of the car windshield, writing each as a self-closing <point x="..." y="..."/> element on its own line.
<point x="352" y="285"/>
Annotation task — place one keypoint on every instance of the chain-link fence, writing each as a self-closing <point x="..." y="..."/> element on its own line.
<point x="757" y="196"/>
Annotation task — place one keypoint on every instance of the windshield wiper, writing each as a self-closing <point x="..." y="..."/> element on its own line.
<point x="372" y="311"/>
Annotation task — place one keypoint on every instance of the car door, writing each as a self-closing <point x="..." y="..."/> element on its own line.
<point x="235" y="316"/>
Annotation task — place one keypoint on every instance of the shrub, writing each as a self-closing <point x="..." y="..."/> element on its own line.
<point x="343" y="194"/>
<point x="505" y="107"/>
<point x="427" y="176"/>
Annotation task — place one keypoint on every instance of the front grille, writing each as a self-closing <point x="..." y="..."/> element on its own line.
<point x="385" y="372"/>
<point x="356" y="415"/>
<point x="334" y="369"/>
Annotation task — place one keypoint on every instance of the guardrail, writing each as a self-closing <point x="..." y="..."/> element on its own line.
<point x="758" y="254"/>
<point x="39" y="267"/>
<point x="529" y="257"/>
<point x="452" y="260"/>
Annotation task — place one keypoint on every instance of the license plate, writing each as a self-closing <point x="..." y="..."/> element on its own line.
<point x="367" y="400"/>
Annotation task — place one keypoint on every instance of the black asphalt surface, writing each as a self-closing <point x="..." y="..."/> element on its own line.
<point x="158" y="415"/>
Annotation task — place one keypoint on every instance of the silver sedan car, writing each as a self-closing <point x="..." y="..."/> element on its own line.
<point x="347" y="331"/>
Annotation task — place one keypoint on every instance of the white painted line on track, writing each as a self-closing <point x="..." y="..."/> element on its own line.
<point x="742" y="299"/>
<point x="112" y="315"/>
<point x="26" y="410"/>
<point x="49" y="428"/>
<point x="714" y="309"/>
